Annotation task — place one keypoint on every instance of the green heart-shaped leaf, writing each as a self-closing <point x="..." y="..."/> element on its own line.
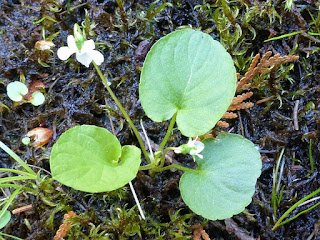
<point x="224" y="182"/>
<point x="90" y="159"/>
<point x="188" y="73"/>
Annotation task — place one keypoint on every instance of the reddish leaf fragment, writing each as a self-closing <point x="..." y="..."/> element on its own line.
<point x="40" y="135"/>
<point x="35" y="86"/>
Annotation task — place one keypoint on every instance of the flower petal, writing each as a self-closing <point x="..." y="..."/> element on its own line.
<point x="84" y="59"/>
<point x="64" y="53"/>
<point x="199" y="145"/>
<point x="191" y="142"/>
<point x="72" y="44"/>
<point x="200" y="156"/>
<point x="87" y="46"/>
<point x="193" y="152"/>
<point x="96" y="56"/>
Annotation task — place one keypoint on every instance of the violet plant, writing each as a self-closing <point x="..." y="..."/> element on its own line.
<point x="189" y="78"/>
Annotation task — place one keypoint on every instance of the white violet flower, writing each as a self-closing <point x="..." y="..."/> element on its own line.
<point x="193" y="147"/>
<point x="197" y="147"/>
<point x="84" y="49"/>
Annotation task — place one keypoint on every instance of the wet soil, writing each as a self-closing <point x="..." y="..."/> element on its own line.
<point x="75" y="95"/>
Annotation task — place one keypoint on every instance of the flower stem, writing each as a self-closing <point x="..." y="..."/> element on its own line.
<point x="160" y="169"/>
<point x="163" y="156"/>
<point x="177" y="166"/>
<point x="146" y="167"/>
<point x="125" y="114"/>
<point x="166" y="137"/>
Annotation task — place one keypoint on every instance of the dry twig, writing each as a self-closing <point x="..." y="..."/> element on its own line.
<point x="241" y="233"/>
<point x="22" y="209"/>
<point x="295" y="115"/>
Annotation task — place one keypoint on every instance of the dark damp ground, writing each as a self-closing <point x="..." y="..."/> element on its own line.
<point x="75" y="95"/>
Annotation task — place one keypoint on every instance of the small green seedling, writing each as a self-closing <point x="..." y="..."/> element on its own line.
<point x="17" y="90"/>
<point x="26" y="140"/>
<point x="37" y="99"/>
<point x="189" y="78"/>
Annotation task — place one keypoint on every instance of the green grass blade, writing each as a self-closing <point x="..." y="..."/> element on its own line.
<point x="278" y="223"/>
<point x="17" y="158"/>
<point x="16" y="178"/>
<point x="314" y="34"/>
<point x="17" y="186"/>
<point x="285" y="35"/>
<point x="276" y="182"/>
<point x="280" y="195"/>
<point x="9" y="201"/>
<point x="302" y="212"/>
<point x="16" y="171"/>
<point x="7" y="235"/>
